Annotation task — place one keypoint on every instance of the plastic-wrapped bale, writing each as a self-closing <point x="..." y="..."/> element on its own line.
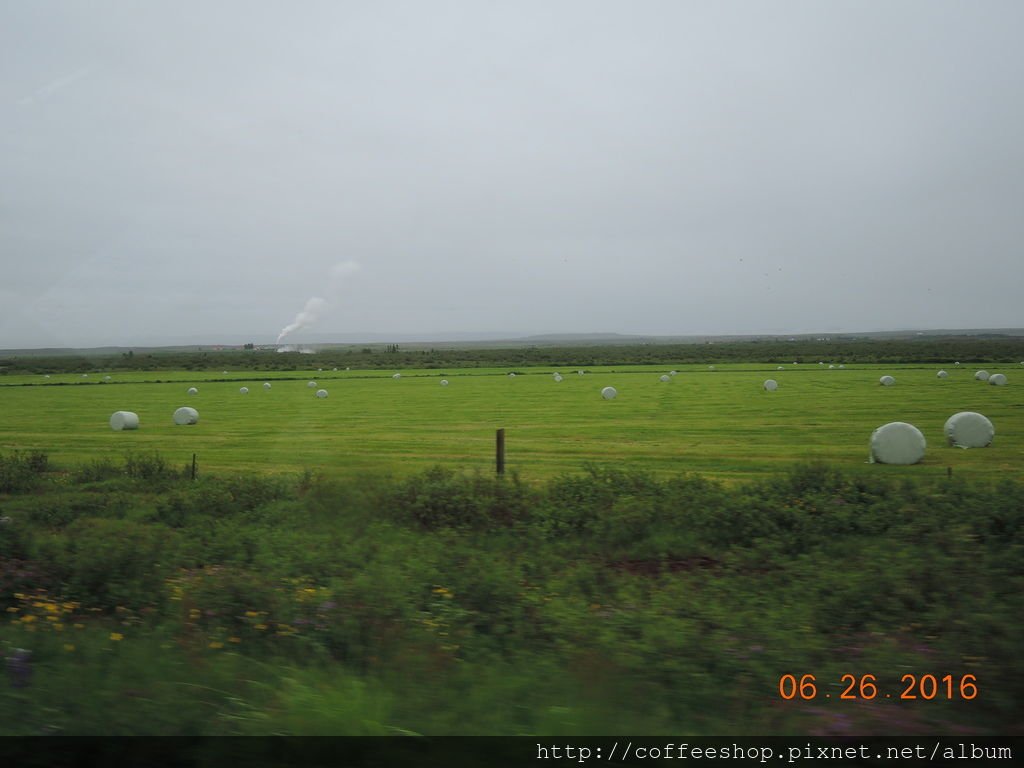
<point x="106" y="378"/>
<point x="673" y="373"/>
<point x="665" y="377"/>
<point x="780" y="368"/>
<point x="842" y="366"/>
<point x="243" y="390"/>
<point x="193" y="391"/>
<point x="511" y="375"/>
<point x="124" y="420"/>
<point x="711" y="367"/>
<point x="969" y="430"/>
<point x="266" y="385"/>
<point x="831" y="367"/>
<point x="998" y="379"/>
<point x="580" y="372"/>
<point x="311" y="384"/>
<point x="558" y="377"/>
<point x="397" y="376"/>
<point x="942" y="374"/>
<point x="321" y="393"/>
<point x="444" y="382"/>
<point x="897" y="443"/>
<point x="609" y="393"/>
<point x="887" y="381"/>
<point x="981" y="375"/>
<point x="771" y="385"/>
<point x="186" y="415"/>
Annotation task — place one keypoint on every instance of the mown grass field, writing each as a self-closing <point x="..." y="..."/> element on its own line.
<point x="717" y="422"/>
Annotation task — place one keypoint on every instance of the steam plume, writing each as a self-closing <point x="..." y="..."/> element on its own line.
<point x="316" y="306"/>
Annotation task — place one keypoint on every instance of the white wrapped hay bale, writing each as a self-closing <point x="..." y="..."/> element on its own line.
<point x="998" y="379"/>
<point x="444" y="382"/>
<point x="124" y="420"/>
<point x="981" y="375"/>
<point x="780" y="368"/>
<point x="243" y="390"/>
<point x="266" y="385"/>
<point x="321" y="393"/>
<point x="897" y="443"/>
<point x="673" y="373"/>
<point x="106" y="378"/>
<point x="558" y="377"/>
<point x="511" y="375"/>
<point x="842" y="366"/>
<point x="193" y="391"/>
<point x="887" y="381"/>
<point x="942" y="374"/>
<point x="397" y="376"/>
<point x="186" y="415"/>
<point x="665" y="377"/>
<point x="311" y="384"/>
<point x="771" y="385"/>
<point x="969" y="430"/>
<point x="831" y="367"/>
<point x="609" y="393"/>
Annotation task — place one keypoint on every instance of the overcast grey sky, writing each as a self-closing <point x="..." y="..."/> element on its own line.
<point x="184" y="170"/>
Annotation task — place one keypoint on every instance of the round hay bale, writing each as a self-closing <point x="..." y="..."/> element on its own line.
<point x="841" y="365"/>
<point x="673" y="373"/>
<point x="186" y="415"/>
<point x="397" y="376"/>
<point x="711" y="367"/>
<point x="608" y="393"/>
<point x="665" y="377"/>
<point x="780" y="368"/>
<point x="887" y="381"/>
<point x="124" y="420"/>
<point x="580" y="372"/>
<point x="266" y="385"/>
<point x="444" y="382"/>
<point x="311" y="384"/>
<point x="956" y="363"/>
<point x="46" y="375"/>
<point x="192" y="391"/>
<point x="831" y="367"/>
<point x="997" y="379"/>
<point x="334" y="369"/>
<point x="942" y="374"/>
<point x="771" y="385"/>
<point x="981" y="375"/>
<point x="897" y="443"/>
<point x="511" y="375"/>
<point x="319" y="370"/>
<point x="969" y="430"/>
<point x="558" y="377"/>
<point x="243" y="390"/>
<point x="106" y="378"/>
<point x="321" y="393"/>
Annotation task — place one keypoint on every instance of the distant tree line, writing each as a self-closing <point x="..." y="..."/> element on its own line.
<point x="931" y="349"/>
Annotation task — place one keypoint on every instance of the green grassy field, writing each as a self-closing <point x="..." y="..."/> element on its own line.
<point x="718" y="422"/>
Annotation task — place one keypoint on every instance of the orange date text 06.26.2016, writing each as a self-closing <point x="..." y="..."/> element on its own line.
<point x="866" y="687"/>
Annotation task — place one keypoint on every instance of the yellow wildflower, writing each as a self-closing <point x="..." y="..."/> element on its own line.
<point x="261" y="627"/>
<point x="12" y="609"/>
<point x="116" y="636"/>
<point x="234" y="639"/>
<point x="52" y="608"/>
<point x="28" y="619"/>
<point x="79" y="626"/>
<point x="68" y="647"/>
<point x="216" y="645"/>
<point x="252" y="614"/>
